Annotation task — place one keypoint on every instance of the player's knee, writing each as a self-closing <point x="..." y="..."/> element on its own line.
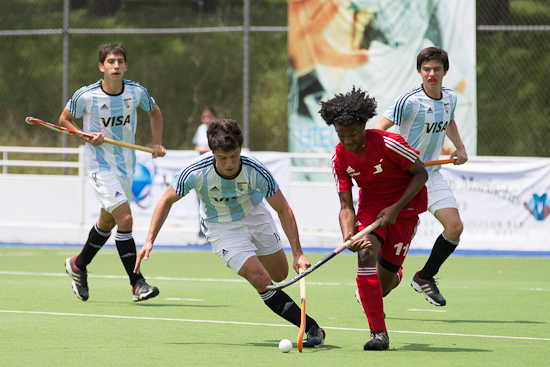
<point x="454" y="230"/>
<point x="125" y="222"/>
<point x="279" y="276"/>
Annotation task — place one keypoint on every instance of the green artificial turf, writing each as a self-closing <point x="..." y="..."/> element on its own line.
<point x="497" y="314"/>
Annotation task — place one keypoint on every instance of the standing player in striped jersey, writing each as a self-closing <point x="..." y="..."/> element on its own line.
<point x="239" y="227"/>
<point x="424" y="116"/>
<point x="391" y="179"/>
<point x="108" y="109"/>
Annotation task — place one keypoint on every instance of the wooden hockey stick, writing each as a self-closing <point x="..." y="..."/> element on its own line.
<point x="334" y="252"/>
<point x="35" y="121"/>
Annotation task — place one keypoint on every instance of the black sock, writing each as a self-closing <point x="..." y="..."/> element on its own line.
<point x="127" y="251"/>
<point x="442" y="249"/>
<point x="94" y="243"/>
<point x="280" y="303"/>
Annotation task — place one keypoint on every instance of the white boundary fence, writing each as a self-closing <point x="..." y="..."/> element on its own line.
<point x="503" y="202"/>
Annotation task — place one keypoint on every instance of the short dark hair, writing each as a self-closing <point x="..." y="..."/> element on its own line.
<point x="209" y="109"/>
<point x="432" y="54"/>
<point x="225" y="135"/>
<point x="111" y="48"/>
<point x="355" y="107"/>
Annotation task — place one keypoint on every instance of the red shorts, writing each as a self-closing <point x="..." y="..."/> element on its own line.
<point x="397" y="237"/>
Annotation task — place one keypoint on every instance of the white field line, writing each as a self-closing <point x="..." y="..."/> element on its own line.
<point x="2" y="272"/>
<point x="261" y="324"/>
<point x="154" y="278"/>
<point x="419" y="310"/>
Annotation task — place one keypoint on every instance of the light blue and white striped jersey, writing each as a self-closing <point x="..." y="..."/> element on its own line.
<point x="115" y="116"/>
<point x="423" y="121"/>
<point x="224" y="200"/>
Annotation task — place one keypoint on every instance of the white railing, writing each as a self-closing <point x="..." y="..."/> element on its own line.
<point x="6" y="162"/>
<point x="306" y="167"/>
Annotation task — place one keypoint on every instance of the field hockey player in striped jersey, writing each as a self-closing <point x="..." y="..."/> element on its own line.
<point x="241" y="230"/>
<point x="424" y="116"/>
<point x="391" y="179"/>
<point x="108" y="110"/>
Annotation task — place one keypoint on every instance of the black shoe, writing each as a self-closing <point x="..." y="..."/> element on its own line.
<point x="315" y="337"/>
<point x="379" y="341"/>
<point x="429" y="288"/>
<point x="80" y="279"/>
<point x="142" y="291"/>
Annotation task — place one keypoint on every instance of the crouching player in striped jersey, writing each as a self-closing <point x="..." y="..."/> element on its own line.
<point x="391" y="179"/>
<point x="239" y="227"/>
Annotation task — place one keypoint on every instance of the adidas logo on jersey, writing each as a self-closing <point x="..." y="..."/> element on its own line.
<point x="350" y="171"/>
<point x="117" y="194"/>
<point x="430" y="110"/>
<point x="104" y="107"/>
<point x="214" y="189"/>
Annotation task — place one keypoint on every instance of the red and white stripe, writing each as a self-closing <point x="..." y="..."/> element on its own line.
<point x="400" y="149"/>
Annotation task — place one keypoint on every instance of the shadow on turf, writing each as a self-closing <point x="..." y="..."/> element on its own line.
<point x="269" y="344"/>
<point x="427" y="348"/>
<point x="470" y="321"/>
<point x="143" y="304"/>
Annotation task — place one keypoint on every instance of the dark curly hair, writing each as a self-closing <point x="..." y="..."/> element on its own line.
<point x="355" y="107"/>
<point x="225" y="135"/>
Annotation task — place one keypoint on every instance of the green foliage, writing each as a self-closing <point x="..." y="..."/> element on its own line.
<point x="184" y="72"/>
<point x="513" y="92"/>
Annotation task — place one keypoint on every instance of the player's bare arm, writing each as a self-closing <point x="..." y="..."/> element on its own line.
<point x="288" y="222"/>
<point x="159" y="216"/>
<point x="383" y="124"/>
<point x="454" y="136"/>
<point x="347" y="221"/>
<point x="155" y="117"/>
<point x="418" y="180"/>
<point x="67" y="120"/>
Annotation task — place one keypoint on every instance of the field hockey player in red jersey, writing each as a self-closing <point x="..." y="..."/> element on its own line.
<point x="391" y="179"/>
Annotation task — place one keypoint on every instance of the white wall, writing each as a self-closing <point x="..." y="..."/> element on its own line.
<point x="493" y="195"/>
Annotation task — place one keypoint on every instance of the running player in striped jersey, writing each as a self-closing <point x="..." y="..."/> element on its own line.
<point x="424" y="116"/>
<point x="239" y="227"/>
<point x="108" y="109"/>
<point x="391" y="180"/>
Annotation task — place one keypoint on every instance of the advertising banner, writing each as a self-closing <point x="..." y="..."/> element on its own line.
<point x="335" y="45"/>
<point x="504" y="204"/>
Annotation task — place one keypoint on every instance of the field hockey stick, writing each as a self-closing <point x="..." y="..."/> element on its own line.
<point x="300" y="342"/>
<point x="437" y="163"/>
<point x="35" y="121"/>
<point x="336" y="251"/>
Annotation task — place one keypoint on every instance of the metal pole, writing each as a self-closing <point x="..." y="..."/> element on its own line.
<point x="65" y="91"/>
<point x="246" y="34"/>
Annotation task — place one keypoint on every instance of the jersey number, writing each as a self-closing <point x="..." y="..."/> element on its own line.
<point x="401" y="250"/>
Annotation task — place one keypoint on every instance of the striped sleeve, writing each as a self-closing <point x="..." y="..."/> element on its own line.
<point x="77" y="104"/>
<point x="266" y="184"/>
<point x="400" y="150"/>
<point x="341" y="178"/>
<point x="402" y="108"/>
<point x="146" y="102"/>
<point x="453" y="98"/>
<point x="185" y="180"/>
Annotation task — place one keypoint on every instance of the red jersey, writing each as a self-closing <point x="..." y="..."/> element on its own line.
<point x="381" y="172"/>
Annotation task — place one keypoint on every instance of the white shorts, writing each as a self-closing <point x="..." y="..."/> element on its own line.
<point x="236" y="242"/>
<point x="440" y="195"/>
<point x="110" y="190"/>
